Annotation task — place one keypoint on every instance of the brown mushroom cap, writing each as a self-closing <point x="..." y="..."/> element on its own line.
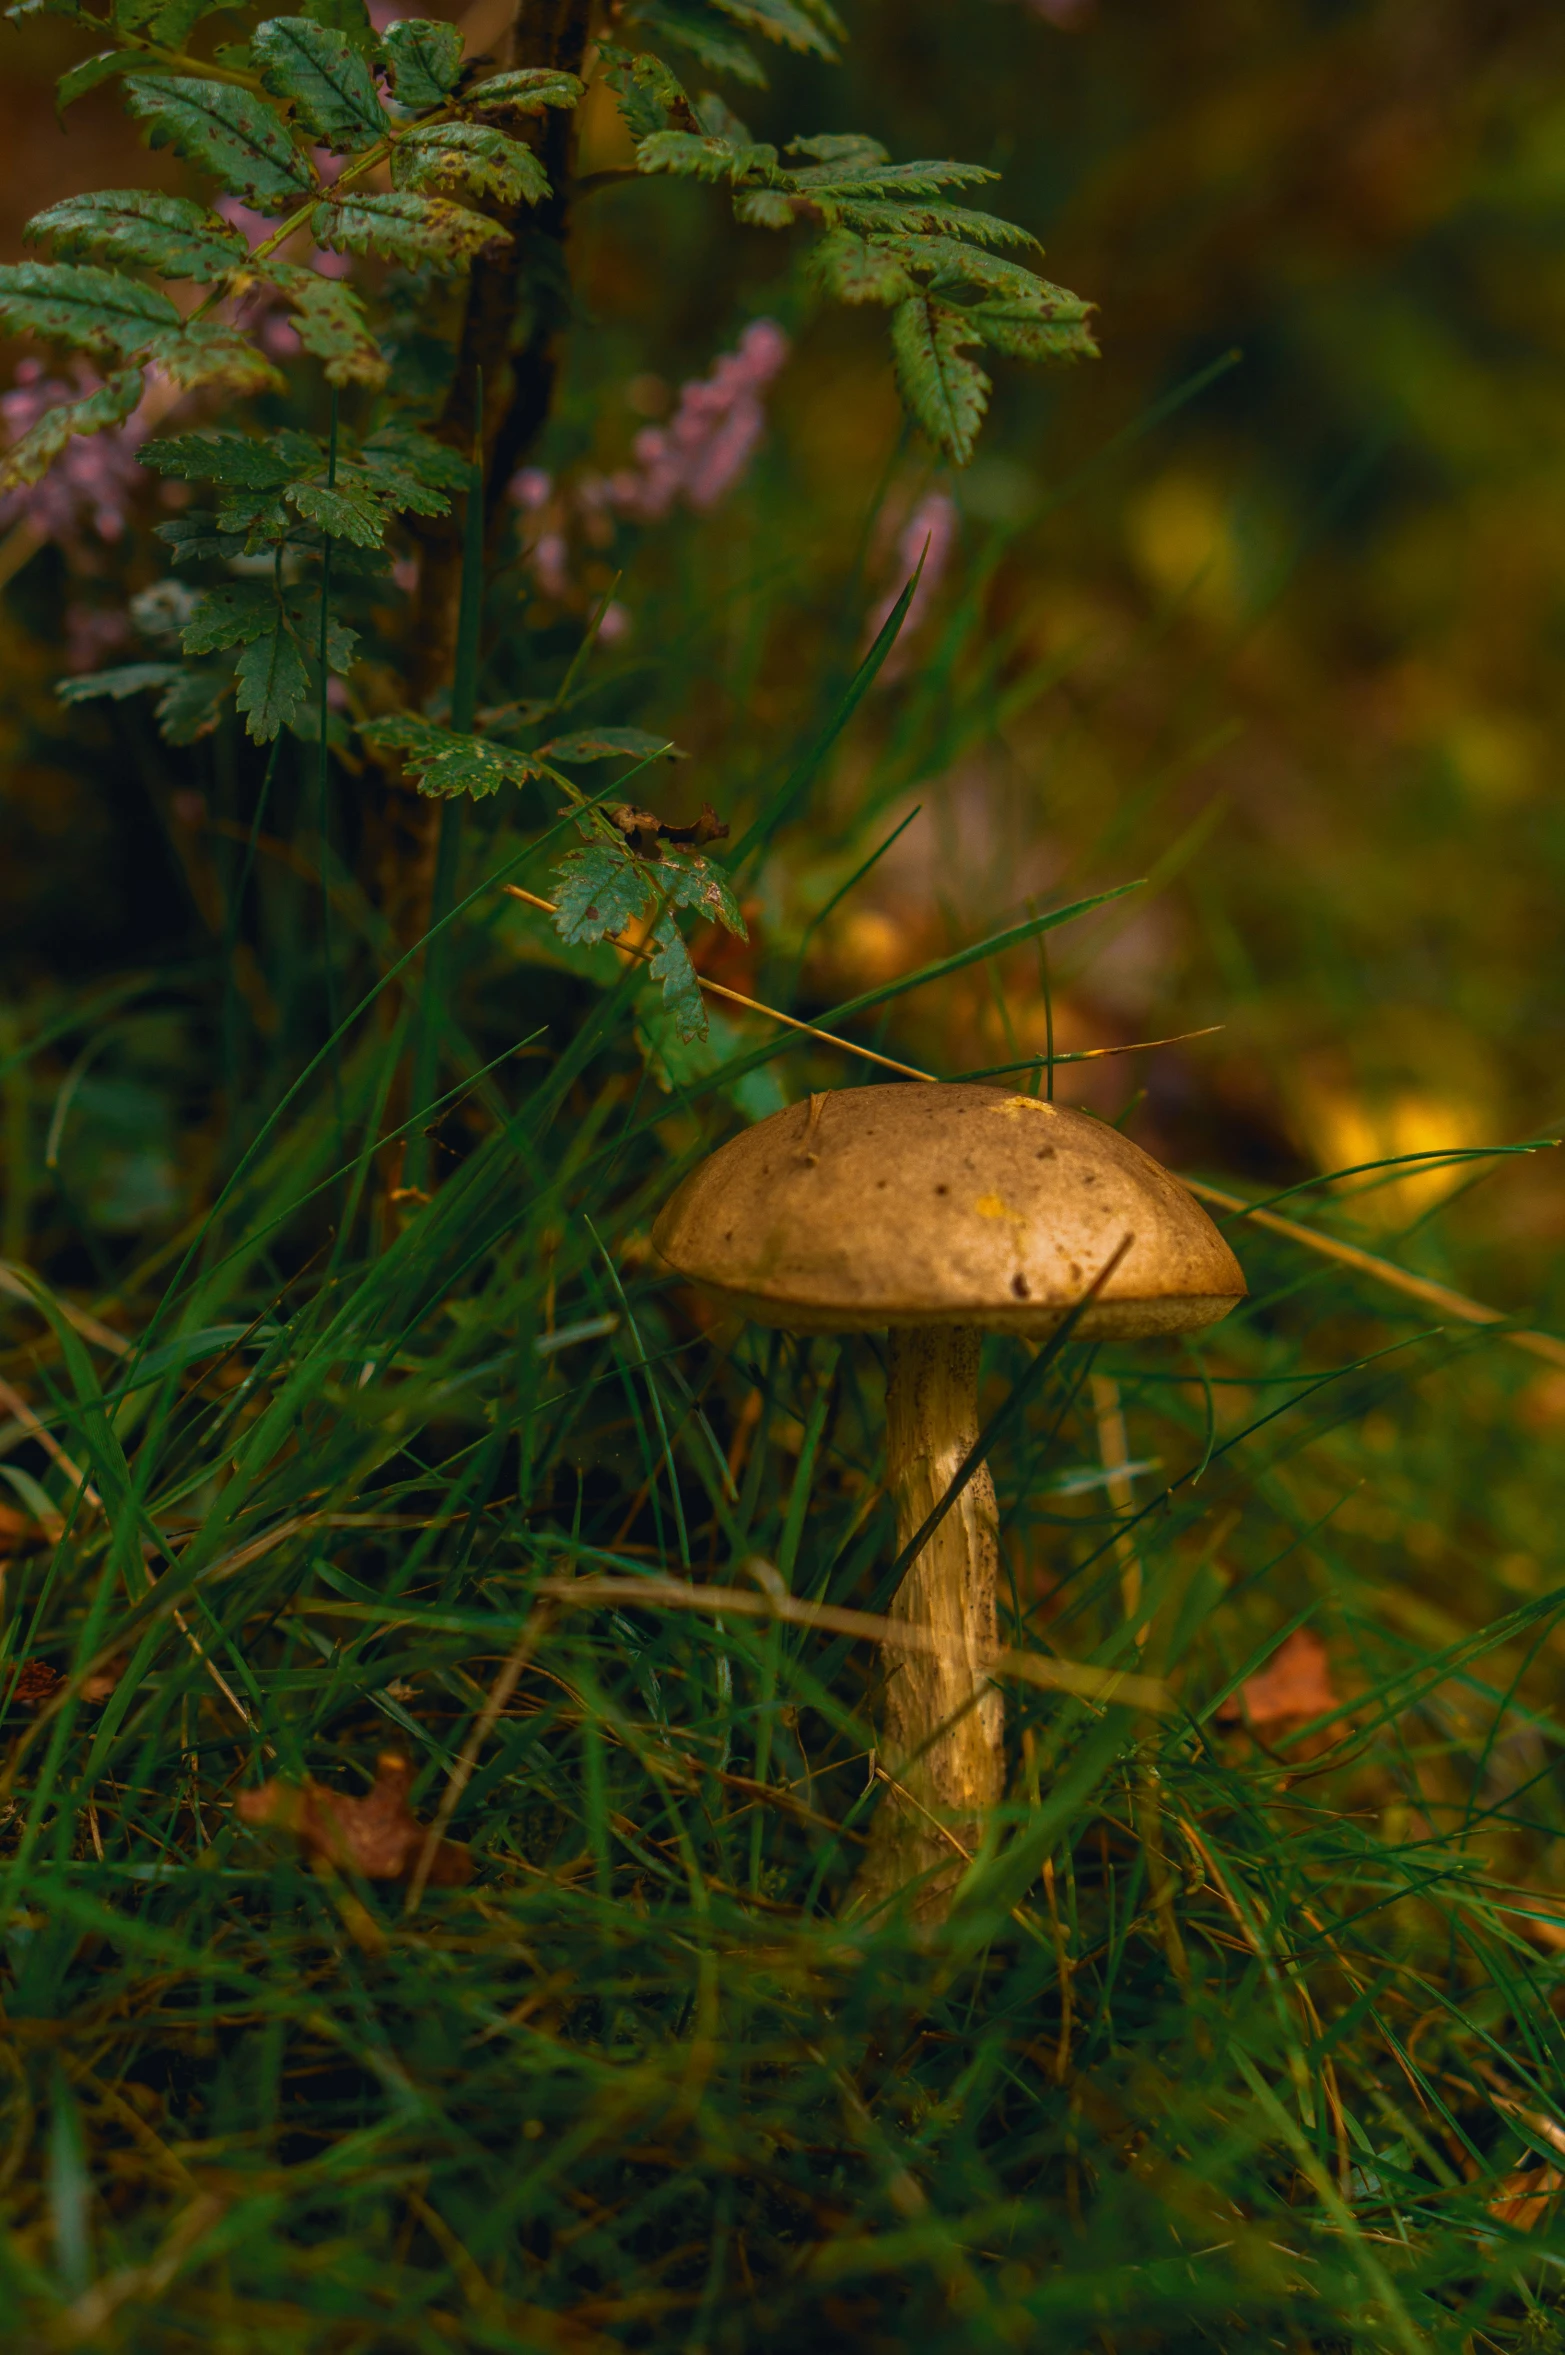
<point x="957" y="1205"/>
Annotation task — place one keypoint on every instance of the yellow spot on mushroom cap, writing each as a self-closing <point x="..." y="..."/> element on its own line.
<point x="1015" y="1104"/>
<point x="995" y="1206"/>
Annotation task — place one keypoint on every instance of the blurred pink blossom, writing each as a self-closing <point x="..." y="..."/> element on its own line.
<point x="1067" y="14"/>
<point x="709" y="441"/>
<point x="615" y="625"/>
<point x="550" y="558"/>
<point x="91" y="482"/>
<point x="530" y="489"/>
<point x="930" y="533"/>
<point x="91" y="632"/>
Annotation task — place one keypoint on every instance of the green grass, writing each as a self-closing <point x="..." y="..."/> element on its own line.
<point x="1225" y="2046"/>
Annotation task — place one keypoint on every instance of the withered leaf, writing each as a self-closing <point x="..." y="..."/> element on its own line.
<point x="1525" y="2197"/>
<point x="1294" y="1686"/>
<point x="30" y="1681"/>
<point x="646" y="832"/>
<point x="377" y="1836"/>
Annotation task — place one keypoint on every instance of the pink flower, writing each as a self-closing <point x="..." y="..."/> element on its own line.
<point x="930" y="533"/>
<point x="530" y="489"/>
<point x="615" y="625"/>
<point x="91" y="632"/>
<point x="550" y="559"/>
<point x="91" y="482"/>
<point x="708" y="443"/>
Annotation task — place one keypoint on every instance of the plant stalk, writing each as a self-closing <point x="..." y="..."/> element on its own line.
<point x="942" y="1728"/>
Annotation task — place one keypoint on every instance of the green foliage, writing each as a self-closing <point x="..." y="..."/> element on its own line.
<point x="423" y="60"/>
<point x="325" y="79"/>
<point x="404" y="227"/>
<point x="227" y="131"/>
<point x="447" y="764"/>
<point x="473" y="155"/>
<point x="605" y="887"/>
<point x="170" y="234"/>
<point x="31" y="457"/>
<point x="94" y="310"/>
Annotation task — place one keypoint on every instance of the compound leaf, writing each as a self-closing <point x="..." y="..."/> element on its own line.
<point x="946" y="392"/>
<point x="324" y="76"/>
<point x="423" y="60"/>
<point x="703" y="35"/>
<point x="404" y="226"/>
<point x="273" y="683"/>
<point x="681" y="991"/>
<point x="207" y="352"/>
<point x="192" y="704"/>
<point x="231" y="458"/>
<point x="444" y="763"/>
<point x="228" y="131"/>
<point x="600" y="889"/>
<point x="236" y="614"/>
<point x="169" y="234"/>
<point x="855" y="271"/>
<point x="529" y="89"/>
<point x="474" y="155"/>
<point x="31" y="458"/>
<point x="77" y="303"/>
<point x="343" y="510"/>
<point x="130" y="678"/>
<point x="330" y="321"/>
<point x="692" y="881"/>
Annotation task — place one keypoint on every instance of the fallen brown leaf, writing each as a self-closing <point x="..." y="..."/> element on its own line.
<point x="30" y="1682"/>
<point x="1294" y="1686"/>
<point x="378" y="1836"/>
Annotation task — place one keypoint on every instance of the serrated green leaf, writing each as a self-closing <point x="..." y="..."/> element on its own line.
<point x="169" y="21"/>
<point x="855" y="271"/>
<point x="781" y="21"/>
<point x="409" y="451"/>
<point x="529" y="88"/>
<point x="169" y="234"/>
<point x="273" y="684"/>
<point x="946" y="392"/>
<point x="447" y="764"/>
<point x="407" y="227"/>
<point x="826" y="180"/>
<point x="589" y="744"/>
<point x="599" y="890"/>
<point x="259" y="517"/>
<point x="232" y="458"/>
<point x="331" y="324"/>
<point x="689" y="156"/>
<point x="954" y="262"/>
<point x="471" y="155"/>
<point x="31" y="458"/>
<point x="228" y="131"/>
<point x="847" y="149"/>
<point x="77" y="303"/>
<point x="92" y="71"/>
<point x="681" y="991"/>
<point x="765" y="208"/>
<point x="129" y="678"/>
<point x="192" y="704"/>
<point x="703" y="35"/>
<point x="236" y="614"/>
<point x="325" y="78"/>
<point x="423" y="59"/>
<point x="1021" y="335"/>
<point x="344" y="510"/>
<point x="647" y="91"/>
<point x="688" y="879"/>
<point x="677" y="1063"/>
<point x="893" y="217"/>
<point x="345" y="16"/>
<point x="206" y="352"/>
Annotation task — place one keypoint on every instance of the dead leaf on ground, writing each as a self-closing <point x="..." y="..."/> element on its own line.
<point x="378" y="1836"/>
<point x="29" y="1682"/>
<point x="1294" y="1687"/>
<point x="1525" y="2197"/>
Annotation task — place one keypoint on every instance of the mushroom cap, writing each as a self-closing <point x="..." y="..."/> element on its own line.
<point x="945" y="1205"/>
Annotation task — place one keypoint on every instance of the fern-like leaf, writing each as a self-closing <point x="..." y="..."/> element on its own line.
<point x="407" y="227"/>
<point x="31" y="458"/>
<point x="528" y="90"/>
<point x="947" y="392"/>
<point x="208" y="353"/>
<point x="77" y="303"/>
<point x="325" y="79"/>
<point x="169" y="234"/>
<point x="446" y="764"/>
<point x="331" y="324"/>
<point x="423" y="60"/>
<point x="227" y="131"/>
<point x="474" y="155"/>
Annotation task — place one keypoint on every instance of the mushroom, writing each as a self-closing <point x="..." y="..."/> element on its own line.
<point x="943" y="1212"/>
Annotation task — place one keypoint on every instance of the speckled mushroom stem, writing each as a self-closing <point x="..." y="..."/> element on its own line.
<point x="942" y="1724"/>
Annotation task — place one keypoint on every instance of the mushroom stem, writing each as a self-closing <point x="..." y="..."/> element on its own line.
<point x="942" y="1723"/>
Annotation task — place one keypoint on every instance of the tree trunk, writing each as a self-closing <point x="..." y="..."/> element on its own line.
<point x="942" y="1735"/>
<point x="517" y="302"/>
